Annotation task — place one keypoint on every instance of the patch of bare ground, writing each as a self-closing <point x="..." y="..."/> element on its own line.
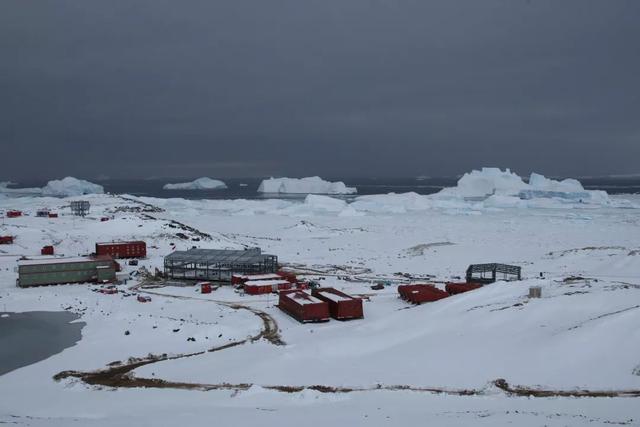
<point x="118" y="374"/>
<point x="519" y="390"/>
<point x="557" y="254"/>
<point x="613" y="313"/>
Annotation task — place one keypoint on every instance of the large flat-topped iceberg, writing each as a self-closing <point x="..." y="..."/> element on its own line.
<point x="494" y="182"/>
<point x="309" y="185"/>
<point x="203" y="183"/>
<point x="71" y="186"/>
<point x="65" y="187"/>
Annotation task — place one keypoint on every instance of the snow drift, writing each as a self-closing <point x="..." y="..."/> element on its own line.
<point x="203" y="183"/>
<point x="65" y="187"/>
<point x="309" y="185"/>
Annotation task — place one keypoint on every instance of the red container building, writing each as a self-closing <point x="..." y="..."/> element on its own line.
<point x="259" y="287"/>
<point x="46" y="250"/>
<point x="458" y="288"/>
<point x="53" y="215"/>
<point x="6" y="240"/>
<point x="134" y="249"/>
<point x="14" y="214"/>
<point x="303" y="307"/>
<point x="418" y="294"/>
<point x="341" y="305"/>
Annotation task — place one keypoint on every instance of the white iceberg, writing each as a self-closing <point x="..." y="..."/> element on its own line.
<point x="203" y="183"/>
<point x="309" y="185"/>
<point x="71" y="186"/>
<point x="495" y="186"/>
<point x="484" y="183"/>
<point x="65" y="187"/>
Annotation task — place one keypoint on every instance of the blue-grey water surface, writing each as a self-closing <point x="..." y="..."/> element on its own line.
<point x="32" y="336"/>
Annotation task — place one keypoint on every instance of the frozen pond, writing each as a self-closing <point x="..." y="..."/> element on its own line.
<point x="30" y="337"/>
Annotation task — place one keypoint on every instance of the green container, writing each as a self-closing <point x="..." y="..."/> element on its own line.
<point x="64" y="270"/>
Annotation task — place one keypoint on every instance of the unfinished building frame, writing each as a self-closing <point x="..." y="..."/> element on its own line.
<point x="489" y="273"/>
<point x="80" y="207"/>
<point x="217" y="264"/>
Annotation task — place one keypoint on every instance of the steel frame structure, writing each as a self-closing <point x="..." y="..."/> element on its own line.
<point x="217" y="264"/>
<point x="509" y="272"/>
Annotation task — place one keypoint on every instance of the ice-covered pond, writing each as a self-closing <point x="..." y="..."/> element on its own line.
<point x="30" y="337"/>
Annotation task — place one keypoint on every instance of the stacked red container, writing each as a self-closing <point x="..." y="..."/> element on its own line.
<point x="46" y="250"/>
<point x="418" y="294"/>
<point x="341" y="305"/>
<point x="265" y="286"/>
<point x="458" y="288"/>
<point x="14" y="214"/>
<point x="303" y="307"/>
<point x="135" y="249"/>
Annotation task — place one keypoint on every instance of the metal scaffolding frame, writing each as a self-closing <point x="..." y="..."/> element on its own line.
<point x="476" y="272"/>
<point x="217" y="264"/>
<point x="80" y="207"/>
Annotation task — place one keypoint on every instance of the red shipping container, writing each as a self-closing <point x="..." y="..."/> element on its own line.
<point x="303" y="307"/>
<point x="14" y="214"/>
<point x="103" y="219"/>
<point x="458" y="288"/>
<point x="259" y="287"/>
<point x="46" y="250"/>
<point x="341" y="305"/>
<point x="287" y="275"/>
<point x="205" y="288"/>
<point x="53" y="215"/>
<point x="135" y="249"/>
<point x="418" y="294"/>
<point x="6" y="240"/>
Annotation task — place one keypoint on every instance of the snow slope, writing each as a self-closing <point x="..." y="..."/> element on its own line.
<point x="203" y="183"/>
<point x="582" y="334"/>
<point x="309" y="185"/>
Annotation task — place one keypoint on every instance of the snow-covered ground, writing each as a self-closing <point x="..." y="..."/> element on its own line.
<point x="582" y="333"/>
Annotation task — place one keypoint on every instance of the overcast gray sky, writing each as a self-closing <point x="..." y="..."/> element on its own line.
<point x="329" y="87"/>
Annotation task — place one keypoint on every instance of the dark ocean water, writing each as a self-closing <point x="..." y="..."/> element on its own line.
<point x="246" y="188"/>
<point x="29" y="337"/>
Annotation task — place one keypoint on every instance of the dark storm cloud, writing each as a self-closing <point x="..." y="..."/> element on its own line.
<point x="237" y="88"/>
